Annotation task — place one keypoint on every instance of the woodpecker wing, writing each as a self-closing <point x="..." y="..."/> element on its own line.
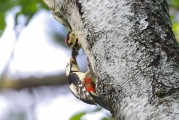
<point x="78" y="89"/>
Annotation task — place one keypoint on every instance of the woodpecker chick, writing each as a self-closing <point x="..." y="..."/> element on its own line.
<point x="80" y="83"/>
<point x="71" y="40"/>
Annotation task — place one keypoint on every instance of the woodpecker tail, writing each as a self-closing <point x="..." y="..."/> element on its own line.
<point x="98" y="100"/>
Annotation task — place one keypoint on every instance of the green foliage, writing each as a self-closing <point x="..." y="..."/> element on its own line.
<point x="175" y="29"/>
<point x="106" y="118"/>
<point x="78" y="116"/>
<point x="174" y="3"/>
<point x="1" y="32"/>
<point x="28" y="9"/>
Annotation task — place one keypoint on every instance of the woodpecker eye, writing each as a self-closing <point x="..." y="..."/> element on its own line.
<point x="70" y="43"/>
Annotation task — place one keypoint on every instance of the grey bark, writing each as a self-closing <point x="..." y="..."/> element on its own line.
<point x="133" y="53"/>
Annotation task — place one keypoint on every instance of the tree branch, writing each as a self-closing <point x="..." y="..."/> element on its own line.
<point x="33" y="82"/>
<point x="133" y="53"/>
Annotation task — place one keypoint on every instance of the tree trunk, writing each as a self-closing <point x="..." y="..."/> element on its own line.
<point x="133" y="53"/>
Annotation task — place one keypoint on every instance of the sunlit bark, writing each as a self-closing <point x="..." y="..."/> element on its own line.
<point x="133" y="53"/>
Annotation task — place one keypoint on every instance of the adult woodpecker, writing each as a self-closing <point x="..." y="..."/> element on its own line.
<point x="71" y="40"/>
<point x="80" y="83"/>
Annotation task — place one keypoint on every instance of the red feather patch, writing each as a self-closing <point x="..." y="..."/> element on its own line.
<point x="66" y="41"/>
<point x="89" y="84"/>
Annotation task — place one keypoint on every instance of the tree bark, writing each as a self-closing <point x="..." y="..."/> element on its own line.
<point x="133" y="53"/>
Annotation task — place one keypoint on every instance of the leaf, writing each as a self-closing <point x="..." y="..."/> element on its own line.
<point x="107" y="118"/>
<point x="28" y="8"/>
<point x="77" y="116"/>
<point x="2" y="21"/>
<point x="1" y="32"/>
<point x="97" y="109"/>
<point x="174" y="3"/>
<point x="4" y="7"/>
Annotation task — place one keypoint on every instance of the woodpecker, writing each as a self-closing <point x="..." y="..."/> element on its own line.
<point x="71" y="40"/>
<point x="80" y="83"/>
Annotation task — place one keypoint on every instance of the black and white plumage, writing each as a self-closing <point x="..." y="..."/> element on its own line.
<point x="75" y="80"/>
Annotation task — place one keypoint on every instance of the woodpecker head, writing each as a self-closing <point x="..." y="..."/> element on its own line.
<point x="72" y="66"/>
<point x="72" y="41"/>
